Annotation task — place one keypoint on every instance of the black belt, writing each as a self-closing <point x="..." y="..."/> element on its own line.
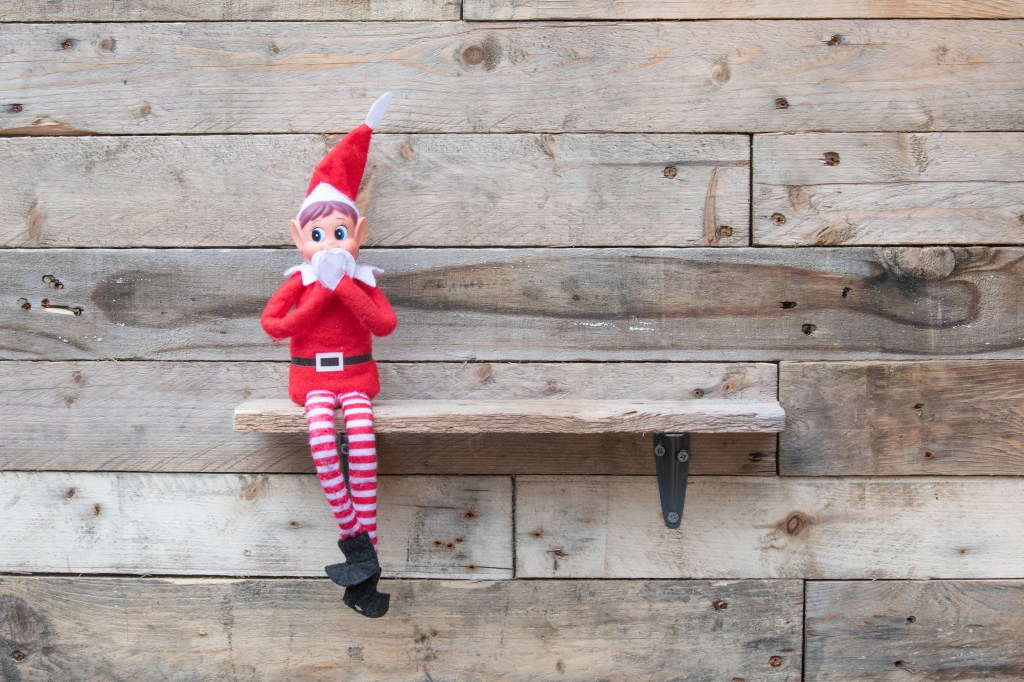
<point x="332" y="362"/>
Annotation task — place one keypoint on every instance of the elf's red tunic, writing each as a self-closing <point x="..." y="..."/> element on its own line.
<point x="325" y="321"/>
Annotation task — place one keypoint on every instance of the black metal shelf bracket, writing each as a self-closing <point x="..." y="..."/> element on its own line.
<point x="672" y="462"/>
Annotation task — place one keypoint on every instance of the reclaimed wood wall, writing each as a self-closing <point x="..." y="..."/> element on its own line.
<point x="571" y="198"/>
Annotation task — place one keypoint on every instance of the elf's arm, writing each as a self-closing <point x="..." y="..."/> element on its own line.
<point x="369" y="305"/>
<point x="281" y="324"/>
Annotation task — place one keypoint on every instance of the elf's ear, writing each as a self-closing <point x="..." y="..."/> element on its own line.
<point x="360" y="230"/>
<point x="297" y="234"/>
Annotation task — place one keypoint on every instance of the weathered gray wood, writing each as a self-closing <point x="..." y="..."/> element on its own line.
<point x="122" y="629"/>
<point x="176" y="416"/>
<point x="534" y="416"/>
<point x="227" y="10"/>
<point x="906" y="418"/>
<point x="932" y="630"/>
<point x="228" y="524"/>
<point x="937" y="188"/>
<point x="611" y="527"/>
<point x="747" y="76"/>
<point x="482" y="10"/>
<point x="419" y="190"/>
<point x="538" y="304"/>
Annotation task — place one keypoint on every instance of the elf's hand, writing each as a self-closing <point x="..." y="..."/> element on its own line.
<point x="332" y="265"/>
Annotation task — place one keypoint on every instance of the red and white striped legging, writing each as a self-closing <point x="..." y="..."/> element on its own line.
<point x="358" y="512"/>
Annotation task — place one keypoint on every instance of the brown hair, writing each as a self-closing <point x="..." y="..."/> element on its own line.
<point x="320" y="209"/>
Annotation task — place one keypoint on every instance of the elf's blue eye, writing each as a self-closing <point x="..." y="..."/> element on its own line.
<point x="340" y="234"/>
<point x="318" y="234"/>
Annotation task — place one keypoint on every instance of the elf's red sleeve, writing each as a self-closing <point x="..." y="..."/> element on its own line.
<point x="369" y="305"/>
<point x="281" y="324"/>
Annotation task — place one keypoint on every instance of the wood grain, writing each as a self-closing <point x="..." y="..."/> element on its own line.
<point x="108" y="628"/>
<point x="903" y="418"/>
<point x="534" y="416"/>
<point x="176" y="416"/>
<point x="538" y="304"/>
<point x="611" y="527"/>
<point x="228" y="10"/>
<point x="482" y="10"/>
<point x="228" y="524"/>
<point x="459" y="77"/>
<point x="937" y="188"/>
<point x="419" y="190"/>
<point x="934" y="630"/>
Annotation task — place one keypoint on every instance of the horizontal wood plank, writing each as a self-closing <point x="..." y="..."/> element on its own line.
<point x="419" y="190"/>
<point x="483" y="10"/>
<point x="903" y="418"/>
<point x="228" y="524"/>
<point x="534" y="416"/>
<point x="537" y="304"/>
<point x="176" y="416"/>
<point x="459" y="77"/>
<point x="108" y="628"/>
<point x="927" y="188"/>
<point x="228" y="10"/>
<point x="611" y="527"/>
<point x="933" y="630"/>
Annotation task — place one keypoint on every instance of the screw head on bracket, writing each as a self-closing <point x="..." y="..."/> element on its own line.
<point x="683" y="456"/>
<point x="672" y="517"/>
<point x="659" y="450"/>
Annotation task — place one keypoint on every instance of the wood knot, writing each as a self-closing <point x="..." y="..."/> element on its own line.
<point x="68" y="44"/>
<point x="719" y="605"/>
<point x="17" y="108"/>
<point x="720" y="73"/>
<point x="831" y="158"/>
<point x="781" y="103"/>
<point x="778" y="219"/>
<point x="670" y="172"/>
<point x="484" y="372"/>
<point x="795" y="523"/>
<point x="837" y="39"/>
<point x="928" y="263"/>
<point x="486" y="53"/>
<point x="775" y="661"/>
<point x="107" y="45"/>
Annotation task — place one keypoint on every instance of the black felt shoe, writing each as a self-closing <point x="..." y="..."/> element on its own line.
<point x="360" y="561"/>
<point x="365" y="599"/>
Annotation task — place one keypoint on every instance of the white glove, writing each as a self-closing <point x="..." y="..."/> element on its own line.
<point x="332" y="265"/>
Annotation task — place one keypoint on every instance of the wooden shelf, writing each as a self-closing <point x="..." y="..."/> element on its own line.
<point x="536" y="416"/>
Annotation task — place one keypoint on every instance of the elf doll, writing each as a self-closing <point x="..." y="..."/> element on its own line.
<point x="329" y="306"/>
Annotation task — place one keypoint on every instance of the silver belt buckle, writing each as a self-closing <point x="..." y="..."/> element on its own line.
<point x="330" y="362"/>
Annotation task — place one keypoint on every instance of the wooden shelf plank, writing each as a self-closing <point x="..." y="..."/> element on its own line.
<point x="63" y="416"/>
<point x="535" y="416"/>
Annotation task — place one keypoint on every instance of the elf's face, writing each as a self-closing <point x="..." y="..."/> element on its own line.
<point x="334" y="231"/>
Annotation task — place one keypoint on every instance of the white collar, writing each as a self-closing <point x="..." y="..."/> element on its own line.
<point x="364" y="273"/>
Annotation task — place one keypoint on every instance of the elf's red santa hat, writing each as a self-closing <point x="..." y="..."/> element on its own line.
<point x="337" y="176"/>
